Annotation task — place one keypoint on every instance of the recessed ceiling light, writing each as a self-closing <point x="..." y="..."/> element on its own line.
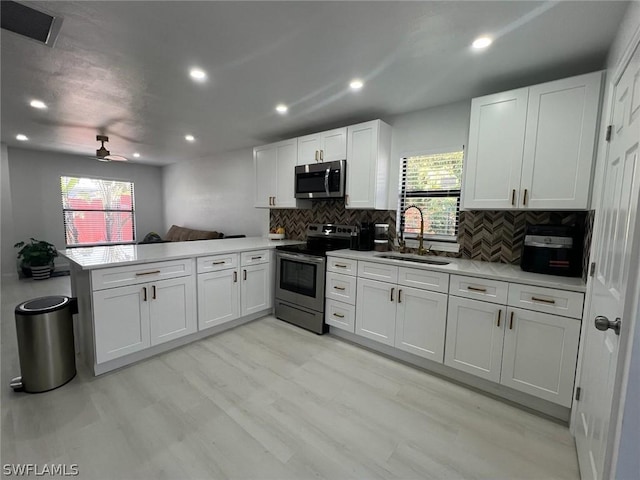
<point x="190" y="138"/>
<point x="356" y="84"/>
<point x="198" y="74"/>
<point x="21" y="137"/>
<point x="136" y="155"/>
<point x="481" y="42"/>
<point x="282" y="108"/>
<point x="38" y="104"/>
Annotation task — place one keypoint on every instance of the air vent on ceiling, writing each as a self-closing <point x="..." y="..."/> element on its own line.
<point x="29" y="22"/>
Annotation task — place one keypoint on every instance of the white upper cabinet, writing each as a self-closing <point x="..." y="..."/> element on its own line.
<point x="323" y="147"/>
<point x="368" y="153"/>
<point x="533" y="148"/>
<point x="274" y="166"/>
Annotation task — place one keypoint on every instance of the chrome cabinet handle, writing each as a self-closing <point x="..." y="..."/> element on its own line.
<point x="322" y="155"/>
<point x="499" y="317"/>
<point x="543" y="300"/>
<point x="144" y="294"/>
<point x="153" y="288"/>
<point x="476" y="289"/>
<point x="392" y="290"/>
<point x="316" y="155"/>
<point x="140" y="274"/>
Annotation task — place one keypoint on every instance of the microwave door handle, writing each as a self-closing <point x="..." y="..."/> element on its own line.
<point x="326" y="180"/>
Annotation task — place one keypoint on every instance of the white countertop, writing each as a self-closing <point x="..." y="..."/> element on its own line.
<point x="91" y="258"/>
<point x="473" y="268"/>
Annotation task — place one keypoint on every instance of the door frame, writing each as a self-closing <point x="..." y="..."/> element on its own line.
<point x="632" y="305"/>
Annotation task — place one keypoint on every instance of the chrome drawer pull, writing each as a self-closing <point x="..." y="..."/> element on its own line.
<point x="476" y="289"/>
<point x="339" y="288"/>
<point x="147" y="273"/>
<point x="339" y="315"/>
<point x="543" y="300"/>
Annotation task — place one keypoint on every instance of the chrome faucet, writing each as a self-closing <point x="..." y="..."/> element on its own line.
<point x="401" y="242"/>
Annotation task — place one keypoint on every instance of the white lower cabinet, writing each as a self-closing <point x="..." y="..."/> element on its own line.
<point x="407" y="318"/>
<point x="131" y="318"/>
<point x="218" y="298"/>
<point x="475" y="334"/>
<point x="540" y="354"/>
<point x="256" y="288"/>
<point x="340" y="315"/>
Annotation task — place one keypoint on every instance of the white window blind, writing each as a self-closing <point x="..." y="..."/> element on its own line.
<point x="431" y="182"/>
<point x="97" y="211"/>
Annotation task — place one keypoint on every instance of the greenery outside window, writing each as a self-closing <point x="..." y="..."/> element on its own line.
<point x="97" y="211"/>
<point x="432" y="182"/>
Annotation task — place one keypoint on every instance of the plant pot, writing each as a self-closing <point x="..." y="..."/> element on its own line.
<point x="41" y="273"/>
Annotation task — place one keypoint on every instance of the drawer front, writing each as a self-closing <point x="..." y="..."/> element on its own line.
<point x="254" y="257"/>
<point x="136" y="274"/>
<point x="340" y="315"/>
<point x="547" y="300"/>
<point x="479" y="289"/>
<point x="341" y="287"/>
<point x="423" y="279"/>
<point x="342" y="265"/>
<point x="378" y="271"/>
<point x="215" y="263"/>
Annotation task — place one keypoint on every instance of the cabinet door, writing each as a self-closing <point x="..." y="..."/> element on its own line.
<point x="218" y="298"/>
<point x="559" y="144"/>
<point x="255" y="290"/>
<point x="287" y="156"/>
<point x="265" y="169"/>
<point x="540" y="354"/>
<point x="376" y="310"/>
<point x="334" y="145"/>
<point x="421" y="319"/>
<point x="172" y="309"/>
<point x="309" y="149"/>
<point x="475" y="333"/>
<point x="494" y="156"/>
<point x="121" y="319"/>
<point x="368" y="165"/>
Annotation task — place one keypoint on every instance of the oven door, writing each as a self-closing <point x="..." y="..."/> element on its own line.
<point x="320" y="180"/>
<point x="300" y="280"/>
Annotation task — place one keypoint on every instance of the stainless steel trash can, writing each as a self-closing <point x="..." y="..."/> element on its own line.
<point x="44" y="327"/>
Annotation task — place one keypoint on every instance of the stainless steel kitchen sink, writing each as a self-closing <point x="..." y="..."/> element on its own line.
<point x="405" y="258"/>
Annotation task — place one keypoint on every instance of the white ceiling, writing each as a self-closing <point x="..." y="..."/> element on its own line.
<point x="121" y="68"/>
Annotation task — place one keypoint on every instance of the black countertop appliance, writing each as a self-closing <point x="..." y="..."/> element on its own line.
<point x="364" y="239"/>
<point x="553" y="250"/>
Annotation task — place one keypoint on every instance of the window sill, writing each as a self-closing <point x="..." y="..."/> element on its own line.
<point x="433" y="245"/>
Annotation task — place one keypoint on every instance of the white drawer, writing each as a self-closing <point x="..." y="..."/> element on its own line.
<point x="547" y="300"/>
<point x="423" y="279"/>
<point x="215" y="263"/>
<point x="342" y="265"/>
<point x="135" y="274"/>
<point x="378" y="271"/>
<point x="479" y="289"/>
<point x="340" y="315"/>
<point x="341" y="287"/>
<point x="254" y="257"/>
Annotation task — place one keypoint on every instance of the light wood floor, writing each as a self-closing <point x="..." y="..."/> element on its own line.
<point x="270" y="401"/>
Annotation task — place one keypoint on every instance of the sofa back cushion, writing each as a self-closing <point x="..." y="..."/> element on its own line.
<point x="182" y="234"/>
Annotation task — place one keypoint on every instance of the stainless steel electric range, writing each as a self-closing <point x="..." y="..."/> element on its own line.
<point x="300" y="275"/>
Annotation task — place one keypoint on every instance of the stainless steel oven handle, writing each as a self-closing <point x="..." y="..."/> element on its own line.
<point x="326" y="180"/>
<point x="300" y="258"/>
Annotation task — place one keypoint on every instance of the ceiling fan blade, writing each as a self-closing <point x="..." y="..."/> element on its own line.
<point x="116" y="158"/>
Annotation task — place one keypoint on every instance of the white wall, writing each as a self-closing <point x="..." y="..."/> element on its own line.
<point x="35" y="195"/>
<point x="214" y="194"/>
<point x="434" y="128"/>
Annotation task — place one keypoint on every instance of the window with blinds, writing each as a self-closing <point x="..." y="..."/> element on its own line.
<point x="431" y="182"/>
<point x="97" y="211"/>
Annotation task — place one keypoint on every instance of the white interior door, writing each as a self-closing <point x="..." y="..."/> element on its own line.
<point x="618" y="216"/>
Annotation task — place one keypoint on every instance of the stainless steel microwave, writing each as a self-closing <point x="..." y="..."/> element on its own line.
<point x="321" y="180"/>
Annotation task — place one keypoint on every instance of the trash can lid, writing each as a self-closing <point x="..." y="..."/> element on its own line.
<point x="42" y="305"/>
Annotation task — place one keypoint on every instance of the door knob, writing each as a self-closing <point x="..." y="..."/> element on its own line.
<point x="603" y="324"/>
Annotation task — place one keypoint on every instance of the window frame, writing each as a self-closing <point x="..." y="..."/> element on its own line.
<point x="438" y="242"/>
<point x="99" y="244"/>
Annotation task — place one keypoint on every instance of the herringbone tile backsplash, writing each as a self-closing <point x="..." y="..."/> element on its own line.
<point x="490" y="236"/>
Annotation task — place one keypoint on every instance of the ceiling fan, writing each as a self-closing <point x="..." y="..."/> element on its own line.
<point x="104" y="155"/>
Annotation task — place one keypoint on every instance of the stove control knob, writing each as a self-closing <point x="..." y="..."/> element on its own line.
<point x="339" y="230"/>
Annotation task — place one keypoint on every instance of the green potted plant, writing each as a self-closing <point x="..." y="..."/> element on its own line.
<point x="37" y="256"/>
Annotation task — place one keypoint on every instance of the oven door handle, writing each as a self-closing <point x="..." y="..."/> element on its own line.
<point x="300" y="258"/>
<point x="326" y="181"/>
